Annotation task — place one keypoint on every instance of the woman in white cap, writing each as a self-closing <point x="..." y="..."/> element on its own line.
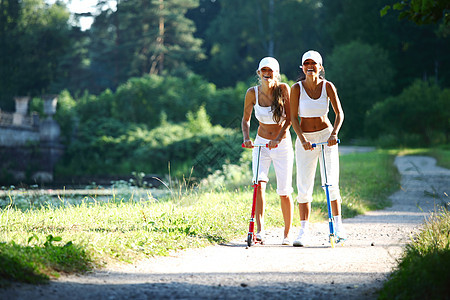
<point x="270" y="99"/>
<point x="310" y="100"/>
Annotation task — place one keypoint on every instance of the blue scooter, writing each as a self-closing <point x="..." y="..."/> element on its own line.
<point x="333" y="238"/>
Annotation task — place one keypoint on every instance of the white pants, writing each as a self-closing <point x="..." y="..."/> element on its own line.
<point x="283" y="162"/>
<point x="307" y="164"/>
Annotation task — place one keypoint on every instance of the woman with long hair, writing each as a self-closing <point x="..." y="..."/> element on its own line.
<point x="270" y="100"/>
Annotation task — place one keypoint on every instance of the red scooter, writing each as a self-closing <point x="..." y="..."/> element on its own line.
<point x="251" y="237"/>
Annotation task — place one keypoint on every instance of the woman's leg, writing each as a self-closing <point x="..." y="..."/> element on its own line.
<point x="287" y="208"/>
<point x="283" y="163"/>
<point x="331" y="177"/>
<point x="306" y="169"/>
<point x="304" y="210"/>
<point x="306" y="161"/>
<point x="260" y="203"/>
<point x="336" y="207"/>
<point x="260" y="164"/>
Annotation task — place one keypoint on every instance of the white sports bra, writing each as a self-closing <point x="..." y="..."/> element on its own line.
<point x="264" y="113"/>
<point x="310" y="108"/>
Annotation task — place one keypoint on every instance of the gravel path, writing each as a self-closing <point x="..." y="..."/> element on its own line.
<point x="352" y="271"/>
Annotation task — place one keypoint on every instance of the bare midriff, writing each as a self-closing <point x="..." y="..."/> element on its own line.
<point x="269" y="131"/>
<point x="314" y="124"/>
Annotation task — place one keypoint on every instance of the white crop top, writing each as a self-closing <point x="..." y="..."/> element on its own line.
<point x="310" y="108"/>
<point x="264" y="113"/>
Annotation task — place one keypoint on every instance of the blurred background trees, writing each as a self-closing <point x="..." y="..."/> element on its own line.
<point x="147" y="65"/>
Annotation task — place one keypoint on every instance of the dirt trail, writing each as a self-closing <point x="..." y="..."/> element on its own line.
<point x="353" y="271"/>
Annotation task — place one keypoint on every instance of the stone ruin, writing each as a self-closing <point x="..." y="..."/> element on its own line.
<point x="29" y="145"/>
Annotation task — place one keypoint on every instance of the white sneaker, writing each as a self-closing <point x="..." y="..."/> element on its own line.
<point x="302" y="238"/>
<point x="286" y="241"/>
<point x="260" y="236"/>
<point x="340" y="233"/>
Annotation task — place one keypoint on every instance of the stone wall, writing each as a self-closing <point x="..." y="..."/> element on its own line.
<point x="29" y="146"/>
<point x="12" y="136"/>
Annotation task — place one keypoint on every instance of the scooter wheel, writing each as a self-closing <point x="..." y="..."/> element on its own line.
<point x="332" y="241"/>
<point x="249" y="239"/>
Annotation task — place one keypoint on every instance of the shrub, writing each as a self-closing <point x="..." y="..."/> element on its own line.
<point x="365" y="84"/>
<point x="418" y="116"/>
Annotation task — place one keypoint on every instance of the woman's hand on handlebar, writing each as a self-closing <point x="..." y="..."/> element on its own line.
<point x="332" y="140"/>
<point x="247" y="144"/>
<point x="273" y="144"/>
<point x="307" y="145"/>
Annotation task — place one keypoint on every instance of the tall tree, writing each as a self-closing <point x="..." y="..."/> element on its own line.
<point x="202" y="16"/>
<point x="143" y="37"/>
<point x="246" y="31"/>
<point x="9" y="20"/>
<point x="34" y="38"/>
<point x="408" y="44"/>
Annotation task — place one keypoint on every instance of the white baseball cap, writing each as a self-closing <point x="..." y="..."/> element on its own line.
<point x="269" y="62"/>
<point x="314" y="55"/>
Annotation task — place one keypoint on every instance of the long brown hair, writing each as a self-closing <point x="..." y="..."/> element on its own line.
<point x="277" y="105"/>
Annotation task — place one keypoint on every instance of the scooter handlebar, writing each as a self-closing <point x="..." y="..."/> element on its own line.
<point x="315" y="144"/>
<point x="258" y="145"/>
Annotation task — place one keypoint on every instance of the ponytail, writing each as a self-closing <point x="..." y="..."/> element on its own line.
<point x="277" y="105"/>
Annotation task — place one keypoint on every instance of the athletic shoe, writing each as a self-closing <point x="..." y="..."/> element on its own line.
<point x="260" y="236"/>
<point x="302" y="239"/>
<point x="286" y="241"/>
<point x="341" y="235"/>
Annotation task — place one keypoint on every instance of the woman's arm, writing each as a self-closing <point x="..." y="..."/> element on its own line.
<point x="336" y="104"/>
<point x="249" y="102"/>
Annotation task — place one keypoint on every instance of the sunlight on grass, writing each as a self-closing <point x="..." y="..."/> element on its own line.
<point x="130" y="224"/>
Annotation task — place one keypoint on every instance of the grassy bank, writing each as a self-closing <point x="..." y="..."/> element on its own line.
<point x="130" y="225"/>
<point x="422" y="272"/>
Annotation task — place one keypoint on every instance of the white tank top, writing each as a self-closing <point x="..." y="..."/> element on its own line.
<point x="310" y="108"/>
<point x="264" y="113"/>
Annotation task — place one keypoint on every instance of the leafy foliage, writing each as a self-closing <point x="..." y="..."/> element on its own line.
<point x="420" y="111"/>
<point x="34" y="37"/>
<point x="141" y="100"/>
<point x="422" y="11"/>
<point x="179" y="147"/>
<point x="364" y="84"/>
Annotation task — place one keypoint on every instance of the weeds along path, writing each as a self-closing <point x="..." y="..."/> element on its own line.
<point x="352" y="271"/>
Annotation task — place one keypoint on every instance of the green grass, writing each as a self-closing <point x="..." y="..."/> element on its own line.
<point x="34" y="264"/>
<point x="132" y="225"/>
<point x="423" y="270"/>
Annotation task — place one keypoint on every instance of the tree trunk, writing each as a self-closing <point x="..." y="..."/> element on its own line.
<point x="271" y="45"/>
<point x="158" y="57"/>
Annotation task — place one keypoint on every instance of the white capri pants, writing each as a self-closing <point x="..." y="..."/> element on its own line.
<point x="307" y="164"/>
<point x="283" y="162"/>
